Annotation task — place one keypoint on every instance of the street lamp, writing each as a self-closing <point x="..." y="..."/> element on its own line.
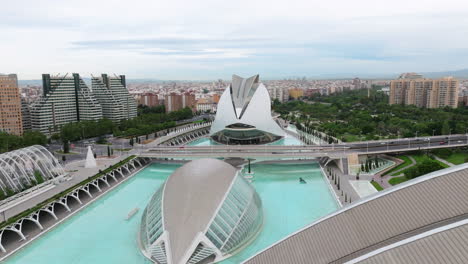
<point x="466" y="129"/>
<point x="450" y="134"/>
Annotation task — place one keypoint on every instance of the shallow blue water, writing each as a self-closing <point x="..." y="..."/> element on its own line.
<point x="287" y="205"/>
<point x="99" y="233"/>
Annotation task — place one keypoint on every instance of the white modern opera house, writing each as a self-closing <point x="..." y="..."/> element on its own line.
<point x="205" y="212"/>
<point x="244" y="114"/>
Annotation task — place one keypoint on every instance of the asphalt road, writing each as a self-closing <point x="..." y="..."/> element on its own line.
<point x="383" y="146"/>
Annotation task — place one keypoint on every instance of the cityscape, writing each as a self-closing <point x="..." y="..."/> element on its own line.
<point x="150" y="134"/>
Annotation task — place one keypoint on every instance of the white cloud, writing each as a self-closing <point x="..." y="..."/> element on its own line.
<point x="208" y="39"/>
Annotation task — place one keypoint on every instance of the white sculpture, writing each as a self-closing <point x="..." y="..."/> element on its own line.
<point x="90" y="160"/>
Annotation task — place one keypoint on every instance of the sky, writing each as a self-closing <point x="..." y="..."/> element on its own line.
<point x="208" y="39"/>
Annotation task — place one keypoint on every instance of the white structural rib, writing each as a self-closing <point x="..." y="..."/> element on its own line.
<point x="253" y="108"/>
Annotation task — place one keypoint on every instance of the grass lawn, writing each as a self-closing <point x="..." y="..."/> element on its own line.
<point x="422" y="157"/>
<point x="457" y="158"/>
<point x="69" y="153"/>
<point x="377" y="186"/>
<point x="406" y="162"/>
<point x="350" y="138"/>
<point x="397" y="180"/>
<point x="124" y="149"/>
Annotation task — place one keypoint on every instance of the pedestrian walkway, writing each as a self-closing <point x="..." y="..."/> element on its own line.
<point x="77" y="173"/>
<point x="383" y="180"/>
<point x="346" y="193"/>
<point x="444" y="161"/>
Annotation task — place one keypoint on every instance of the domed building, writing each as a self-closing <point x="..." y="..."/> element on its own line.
<point x="205" y="212"/>
<point x="244" y="114"/>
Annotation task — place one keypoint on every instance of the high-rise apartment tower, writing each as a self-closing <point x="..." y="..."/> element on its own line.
<point x="116" y="102"/>
<point x="66" y="99"/>
<point x="10" y="105"/>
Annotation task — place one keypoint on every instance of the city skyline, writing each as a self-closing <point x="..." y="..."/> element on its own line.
<point x="208" y="40"/>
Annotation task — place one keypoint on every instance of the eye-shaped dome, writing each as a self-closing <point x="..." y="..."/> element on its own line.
<point x="205" y="211"/>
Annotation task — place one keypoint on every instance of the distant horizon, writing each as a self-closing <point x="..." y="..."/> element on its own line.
<point x="461" y="74"/>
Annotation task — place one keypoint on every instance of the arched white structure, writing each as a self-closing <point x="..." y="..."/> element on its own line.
<point x="18" y="168"/>
<point x="244" y="114"/>
<point x="204" y="212"/>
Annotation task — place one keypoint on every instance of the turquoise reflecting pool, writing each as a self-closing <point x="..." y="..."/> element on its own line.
<point x="287" y="205"/>
<point x="99" y="233"/>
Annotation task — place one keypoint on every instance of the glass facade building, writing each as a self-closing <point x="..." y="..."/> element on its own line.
<point x="214" y="213"/>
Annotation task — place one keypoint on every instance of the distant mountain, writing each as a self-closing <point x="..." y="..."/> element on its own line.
<point x="461" y="74"/>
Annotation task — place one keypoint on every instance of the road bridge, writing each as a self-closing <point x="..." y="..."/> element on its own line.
<point x="340" y="152"/>
<point x="335" y="150"/>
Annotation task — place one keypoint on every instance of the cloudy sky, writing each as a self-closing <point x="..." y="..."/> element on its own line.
<point x="210" y="39"/>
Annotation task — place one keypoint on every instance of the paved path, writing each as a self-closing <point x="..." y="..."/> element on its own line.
<point x="77" y="174"/>
<point x="413" y="162"/>
<point x="444" y="161"/>
<point x="383" y="180"/>
<point x="345" y="185"/>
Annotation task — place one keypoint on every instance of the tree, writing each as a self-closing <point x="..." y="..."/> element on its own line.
<point x="66" y="147"/>
<point x="38" y="177"/>
<point x="445" y="128"/>
<point x="427" y="166"/>
<point x="34" y="138"/>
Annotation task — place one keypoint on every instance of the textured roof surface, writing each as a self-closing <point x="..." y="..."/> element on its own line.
<point x="191" y="196"/>
<point x="385" y="218"/>
<point x="450" y="246"/>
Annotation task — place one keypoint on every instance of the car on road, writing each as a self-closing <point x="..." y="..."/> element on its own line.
<point x="442" y="143"/>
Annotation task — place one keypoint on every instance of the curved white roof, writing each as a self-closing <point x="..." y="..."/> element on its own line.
<point x="191" y="196"/>
<point x="245" y="101"/>
<point x="204" y="211"/>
